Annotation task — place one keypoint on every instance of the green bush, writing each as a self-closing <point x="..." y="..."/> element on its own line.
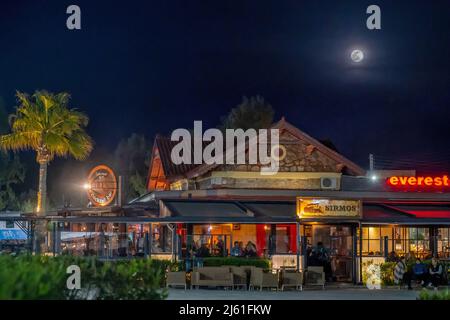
<point x="28" y="277"/>
<point x="387" y="271"/>
<point x="135" y="279"/>
<point x="434" y="295"/>
<point x="42" y="277"/>
<point x="236" y="261"/>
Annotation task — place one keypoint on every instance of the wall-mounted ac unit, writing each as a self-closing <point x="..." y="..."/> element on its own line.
<point x="328" y="183"/>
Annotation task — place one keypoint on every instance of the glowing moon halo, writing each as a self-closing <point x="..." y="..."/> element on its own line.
<point x="357" y="55"/>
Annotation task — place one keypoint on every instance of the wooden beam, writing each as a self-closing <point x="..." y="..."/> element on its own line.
<point x="310" y="149"/>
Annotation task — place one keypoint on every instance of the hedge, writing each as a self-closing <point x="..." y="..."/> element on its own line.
<point x="236" y="261"/>
<point x="434" y="295"/>
<point x="43" y="277"/>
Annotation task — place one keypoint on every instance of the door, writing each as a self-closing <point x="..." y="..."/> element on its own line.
<point x="337" y="242"/>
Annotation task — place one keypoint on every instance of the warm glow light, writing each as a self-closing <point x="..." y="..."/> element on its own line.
<point x="425" y="181"/>
<point x="86" y="186"/>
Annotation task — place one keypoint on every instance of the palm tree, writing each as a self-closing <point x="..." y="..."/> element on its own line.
<point x="44" y="123"/>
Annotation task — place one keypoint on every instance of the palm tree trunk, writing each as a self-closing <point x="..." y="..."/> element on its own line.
<point x="42" y="192"/>
<point x="40" y="229"/>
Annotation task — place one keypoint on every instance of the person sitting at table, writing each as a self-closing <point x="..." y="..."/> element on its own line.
<point x="203" y="251"/>
<point x="236" y="251"/>
<point x="250" y="250"/>
<point x="392" y="257"/>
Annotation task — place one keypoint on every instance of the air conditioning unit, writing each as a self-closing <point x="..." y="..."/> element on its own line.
<point x="328" y="183"/>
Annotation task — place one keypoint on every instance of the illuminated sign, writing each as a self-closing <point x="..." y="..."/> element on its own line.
<point x="102" y="186"/>
<point x="421" y="181"/>
<point x="328" y="208"/>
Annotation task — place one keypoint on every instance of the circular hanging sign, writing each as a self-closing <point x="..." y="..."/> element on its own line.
<point x="102" y="186"/>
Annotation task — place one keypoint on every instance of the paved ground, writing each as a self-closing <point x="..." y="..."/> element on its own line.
<point x="306" y="294"/>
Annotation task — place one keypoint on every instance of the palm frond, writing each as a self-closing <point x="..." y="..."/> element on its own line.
<point x="43" y="121"/>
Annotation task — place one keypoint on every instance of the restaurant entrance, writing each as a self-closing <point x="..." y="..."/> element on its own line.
<point x="332" y="247"/>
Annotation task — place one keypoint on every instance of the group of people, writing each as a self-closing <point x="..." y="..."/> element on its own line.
<point x="202" y="249"/>
<point x="428" y="275"/>
<point x="238" y="249"/>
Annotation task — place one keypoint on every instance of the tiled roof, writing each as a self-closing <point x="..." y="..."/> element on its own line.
<point x="163" y="146"/>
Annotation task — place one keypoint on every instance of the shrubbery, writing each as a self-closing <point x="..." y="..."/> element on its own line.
<point x="387" y="271"/>
<point x="434" y="295"/>
<point x="41" y="277"/>
<point x="236" y="261"/>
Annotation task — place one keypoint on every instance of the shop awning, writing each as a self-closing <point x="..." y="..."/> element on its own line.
<point x="280" y="210"/>
<point x="406" y="213"/>
<point x="12" y="234"/>
<point x="434" y="211"/>
<point x="207" y="211"/>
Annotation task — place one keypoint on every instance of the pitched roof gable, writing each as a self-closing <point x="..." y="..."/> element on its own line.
<point x="163" y="146"/>
<point x="352" y="168"/>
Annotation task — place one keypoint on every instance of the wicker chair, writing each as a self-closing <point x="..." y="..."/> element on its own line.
<point x="292" y="279"/>
<point x="260" y="279"/>
<point x="315" y="276"/>
<point x="239" y="276"/>
<point x="177" y="278"/>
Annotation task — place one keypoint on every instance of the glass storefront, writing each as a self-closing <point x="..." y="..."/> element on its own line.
<point x="401" y="240"/>
<point x="330" y="246"/>
<point x="443" y="243"/>
<point x="239" y="240"/>
<point x="114" y="240"/>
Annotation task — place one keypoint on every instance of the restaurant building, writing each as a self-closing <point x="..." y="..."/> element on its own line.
<point x="318" y="196"/>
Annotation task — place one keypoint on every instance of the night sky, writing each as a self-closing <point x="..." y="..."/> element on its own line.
<point x="154" y="66"/>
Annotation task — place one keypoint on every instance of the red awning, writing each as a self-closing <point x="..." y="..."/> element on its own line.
<point x="432" y="214"/>
<point x="406" y="211"/>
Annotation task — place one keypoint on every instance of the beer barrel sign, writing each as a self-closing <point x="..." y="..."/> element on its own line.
<point x="102" y="186"/>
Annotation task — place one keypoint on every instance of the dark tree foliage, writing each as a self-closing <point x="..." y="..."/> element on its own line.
<point x="253" y="112"/>
<point x="131" y="160"/>
<point x="12" y="171"/>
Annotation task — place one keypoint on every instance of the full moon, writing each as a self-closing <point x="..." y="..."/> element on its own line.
<point x="357" y="55"/>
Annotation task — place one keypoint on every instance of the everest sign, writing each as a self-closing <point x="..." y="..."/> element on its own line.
<point x="419" y="182"/>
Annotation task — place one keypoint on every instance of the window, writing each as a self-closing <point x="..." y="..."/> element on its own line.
<point x="443" y="243"/>
<point x="412" y="240"/>
<point x="373" y="240"/>
<point x="9" y="224"/>
<point x="162" y="238"/>
<point x="285" y="239"/>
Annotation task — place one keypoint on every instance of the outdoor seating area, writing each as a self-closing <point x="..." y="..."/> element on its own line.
<point x="244" y="278"/>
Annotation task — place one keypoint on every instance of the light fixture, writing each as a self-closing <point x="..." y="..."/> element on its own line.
<point x="86" y="186"/>
<point x="374" y="178"/>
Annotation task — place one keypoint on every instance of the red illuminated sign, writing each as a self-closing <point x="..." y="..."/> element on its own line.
<point x="418" y="182"/>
